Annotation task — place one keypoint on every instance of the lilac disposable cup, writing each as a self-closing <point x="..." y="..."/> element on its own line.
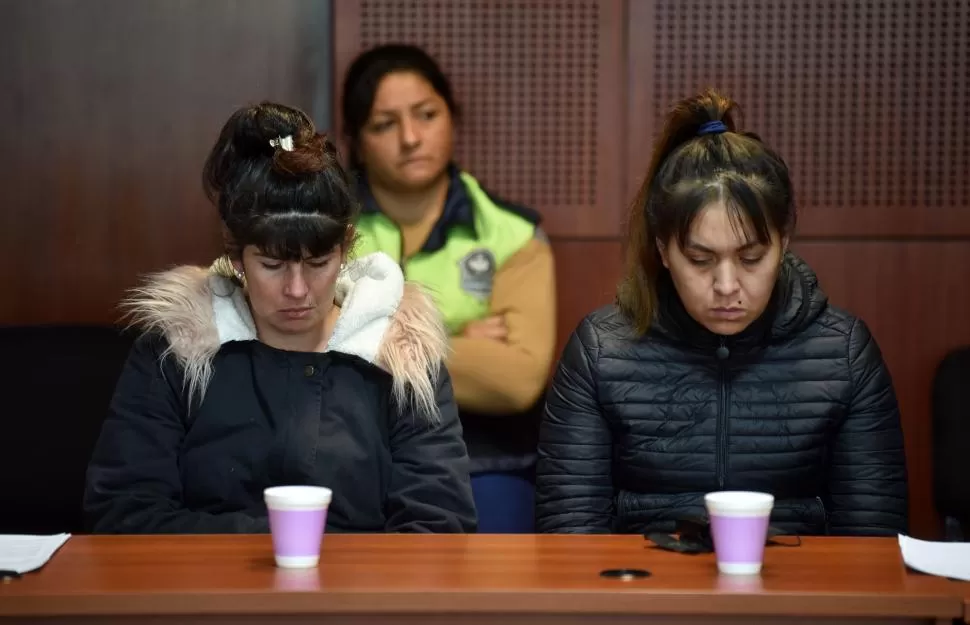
<point x="297" y="518"/>
<point x="739" y="526"/>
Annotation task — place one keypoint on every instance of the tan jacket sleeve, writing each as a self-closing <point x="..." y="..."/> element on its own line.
<point x="508" y="377"/>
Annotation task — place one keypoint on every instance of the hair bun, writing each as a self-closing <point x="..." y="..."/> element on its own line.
<point x="258" y="125"/>
<point x="262" y="139"/>
<point x="312" y="153"/>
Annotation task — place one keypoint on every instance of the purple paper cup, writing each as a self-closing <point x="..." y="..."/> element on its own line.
<point x="739" y="527"/>
<point x="297" y="518"/>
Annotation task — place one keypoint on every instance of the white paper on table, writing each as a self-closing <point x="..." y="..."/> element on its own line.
<point x="936" y="558"/>
<point x="23" y="553"/>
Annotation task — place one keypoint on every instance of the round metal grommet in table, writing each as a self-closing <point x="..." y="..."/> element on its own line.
<point x="625" y="575"/>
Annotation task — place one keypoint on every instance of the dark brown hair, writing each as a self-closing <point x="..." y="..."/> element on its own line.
<point x="290" y="204"/>
<point x="365" y="75"/>
<point x="696" y="162"/>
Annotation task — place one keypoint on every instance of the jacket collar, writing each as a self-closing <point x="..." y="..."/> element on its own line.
<point x="390" y="324"/>
<point x="368" y="292"/>
<point x="458" y="211"/>
<point x="796" y="302"/>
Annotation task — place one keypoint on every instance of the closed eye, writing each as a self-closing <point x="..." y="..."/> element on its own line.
<point x="318" y="263"/>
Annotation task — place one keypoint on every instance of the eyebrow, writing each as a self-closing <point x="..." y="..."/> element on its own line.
<point x="261" y="256"/>
<point x="416" y="105"/>
<point x="703" y="248"/>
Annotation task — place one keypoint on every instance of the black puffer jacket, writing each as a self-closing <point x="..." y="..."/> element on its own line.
<point x="800" y="405"/>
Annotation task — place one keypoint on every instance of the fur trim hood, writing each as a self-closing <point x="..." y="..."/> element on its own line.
<point x="383" y="320"/>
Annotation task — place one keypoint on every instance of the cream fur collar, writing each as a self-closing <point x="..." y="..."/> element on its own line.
<point x="383" y="320"/>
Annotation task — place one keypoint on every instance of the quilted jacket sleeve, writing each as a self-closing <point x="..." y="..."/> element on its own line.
<point x="574" y="487"/>
<point x="867" y="475"/>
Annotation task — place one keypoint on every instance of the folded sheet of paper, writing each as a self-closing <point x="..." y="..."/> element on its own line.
<point x="22" y="553"/>
<point x="937" y="558"/>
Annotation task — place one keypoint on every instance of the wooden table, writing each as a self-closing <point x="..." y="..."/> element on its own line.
<point x="477" y="579"/>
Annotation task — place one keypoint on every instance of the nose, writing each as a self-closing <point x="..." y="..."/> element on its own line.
<point x="726" y="279"/>
<point x="410" y="138"/>
<point x="294" y="285"/>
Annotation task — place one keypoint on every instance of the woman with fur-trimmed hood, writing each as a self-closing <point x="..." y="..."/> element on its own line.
<point x="281" y="365"/>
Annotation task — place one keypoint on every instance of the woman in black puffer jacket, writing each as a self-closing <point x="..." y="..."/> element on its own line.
<point x="722" y="366"/>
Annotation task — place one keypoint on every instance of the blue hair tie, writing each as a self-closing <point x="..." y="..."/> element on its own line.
<point x="715" y="127"/>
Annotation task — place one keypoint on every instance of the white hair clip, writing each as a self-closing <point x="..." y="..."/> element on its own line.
<point x="284" y="143"/>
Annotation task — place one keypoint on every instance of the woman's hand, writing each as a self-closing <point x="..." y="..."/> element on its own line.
<point x="492" y="328"/>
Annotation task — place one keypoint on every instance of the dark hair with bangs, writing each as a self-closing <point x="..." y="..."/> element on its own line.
<point x="365" y="74"/>
<point x="290" y="204"/>
<point x="689" y="171"/>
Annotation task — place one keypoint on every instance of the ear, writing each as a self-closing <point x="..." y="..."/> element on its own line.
<point x="662" y="248"/>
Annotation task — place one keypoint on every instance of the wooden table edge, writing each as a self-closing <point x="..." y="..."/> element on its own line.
<point x="499" y="602"/>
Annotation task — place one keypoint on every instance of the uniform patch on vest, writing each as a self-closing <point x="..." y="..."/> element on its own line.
<point x="478" y="272"/>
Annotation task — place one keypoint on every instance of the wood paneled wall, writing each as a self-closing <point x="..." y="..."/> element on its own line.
<point x="864" y="100"/>
<point x="543" y="88"/>
<point x="110" y="107"/>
